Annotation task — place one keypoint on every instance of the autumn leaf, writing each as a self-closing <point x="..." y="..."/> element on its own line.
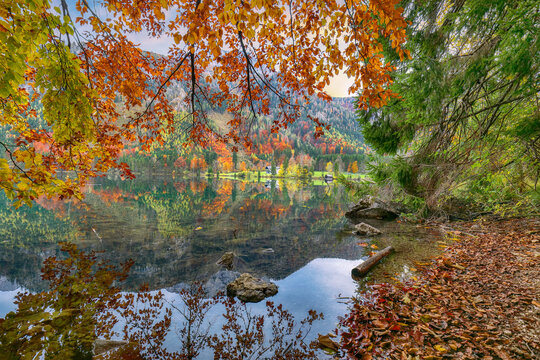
<point x="440" y="348"/>
<point x="98" y="96"/>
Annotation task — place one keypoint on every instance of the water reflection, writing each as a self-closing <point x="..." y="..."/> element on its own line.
<point x="176" y="231"/>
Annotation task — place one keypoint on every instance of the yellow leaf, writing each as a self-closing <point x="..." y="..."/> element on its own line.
<point x="440" y="348"/>
<point x="23" y="186"/>
<point x="406" y="299"/>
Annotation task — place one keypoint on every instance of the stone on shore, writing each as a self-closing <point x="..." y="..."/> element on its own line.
<point x="372" y="208"/>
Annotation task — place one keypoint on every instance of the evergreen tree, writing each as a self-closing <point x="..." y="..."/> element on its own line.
<point x="235" y="159"/>
<point x="469" y="98"/>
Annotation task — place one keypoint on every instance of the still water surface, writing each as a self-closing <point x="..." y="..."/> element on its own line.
<point x="294" y="234"/>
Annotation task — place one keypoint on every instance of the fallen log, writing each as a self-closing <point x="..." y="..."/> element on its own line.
<point x="364" y="267"/>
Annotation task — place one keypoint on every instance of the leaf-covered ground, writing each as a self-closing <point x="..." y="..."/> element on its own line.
<point x="479" y="300"/>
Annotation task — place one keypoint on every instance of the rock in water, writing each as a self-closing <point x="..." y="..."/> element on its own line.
<point x="365" y="229"/>
<point x="251" y="289"/>
<point x="227" y="260"/>
<point x="372" y="208"/>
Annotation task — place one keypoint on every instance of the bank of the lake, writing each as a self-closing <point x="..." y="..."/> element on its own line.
<point x="479" y="299"/>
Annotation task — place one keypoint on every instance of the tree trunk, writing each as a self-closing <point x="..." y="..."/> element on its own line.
<point x="364" y="267"/>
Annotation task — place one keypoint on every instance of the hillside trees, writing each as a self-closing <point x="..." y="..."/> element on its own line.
<point x="99" y="90"/>
<point x="469" y="115"/>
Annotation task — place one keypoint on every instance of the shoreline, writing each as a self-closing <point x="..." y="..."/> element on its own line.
<point x="479" y="299"/>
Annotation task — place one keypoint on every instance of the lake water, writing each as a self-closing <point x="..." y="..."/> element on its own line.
<point x="176" y="229"/>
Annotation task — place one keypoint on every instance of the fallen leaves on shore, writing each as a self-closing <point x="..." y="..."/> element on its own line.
<point x="479" y="300"/>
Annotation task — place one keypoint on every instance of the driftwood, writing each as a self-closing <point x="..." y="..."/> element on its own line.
<point x="364" y="267"/>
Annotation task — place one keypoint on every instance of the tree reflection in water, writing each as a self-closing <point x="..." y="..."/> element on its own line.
<point x="84" y="303"/>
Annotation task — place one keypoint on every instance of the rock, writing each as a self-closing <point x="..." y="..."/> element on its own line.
<point x="372" y="208"/>
<point x="248" y="288"/>
<point x="365" y="229"/>
<point x="365" y="202"/>
<point x="227" y="260"/>
<point x="376" y="213"/>
<point x="265" y="251"/>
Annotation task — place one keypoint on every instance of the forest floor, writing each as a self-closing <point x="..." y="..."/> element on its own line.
<point x="480" y="299"/>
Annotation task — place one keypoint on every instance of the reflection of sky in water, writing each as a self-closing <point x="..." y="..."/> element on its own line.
<point x="315" y="286"/>
<point x="6" y="301"/>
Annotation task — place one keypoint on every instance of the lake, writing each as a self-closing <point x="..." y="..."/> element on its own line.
<point x="176" y="230"/>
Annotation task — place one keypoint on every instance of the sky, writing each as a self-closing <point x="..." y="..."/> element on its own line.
<point x="338" y="87"/>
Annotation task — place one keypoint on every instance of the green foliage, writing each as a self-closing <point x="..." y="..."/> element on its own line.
<point x="357" y="188"/>
<point x="416" y="206"/>
<point x="235" y="160"/>
<point x="386" y="170"/>
<point x="468" y="116"/>
<point x="303" y="173"/>
<point x="497" y="193"/>
<point x="46" y="98"/>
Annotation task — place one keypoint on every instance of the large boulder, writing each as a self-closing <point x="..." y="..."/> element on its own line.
<point x="372" y="208"/>
<point x="251" y="289"/>
<point x="366" y="230"/>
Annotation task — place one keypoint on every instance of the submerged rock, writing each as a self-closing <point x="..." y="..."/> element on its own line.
<point x="251" y="289"/>
<point x="372" y="208"/>
<point x="265" y="251"/>
<point x="365" y="229"/>
<point x="227" y="260"/>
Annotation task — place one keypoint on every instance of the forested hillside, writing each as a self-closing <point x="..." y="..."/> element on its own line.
<point x="341" y="144"/>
